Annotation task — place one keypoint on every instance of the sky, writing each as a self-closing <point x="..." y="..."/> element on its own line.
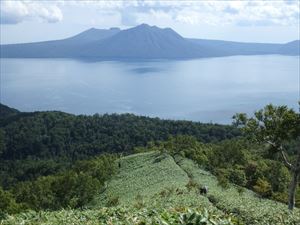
<point x="273" y="21"/>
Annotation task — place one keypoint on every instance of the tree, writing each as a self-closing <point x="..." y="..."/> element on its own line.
<point x="275" y="125"/>
<point x="2" y="142"/>
<point x="8" y="203"/>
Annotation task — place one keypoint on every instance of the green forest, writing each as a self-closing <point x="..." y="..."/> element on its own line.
<point x="63" y="165"/>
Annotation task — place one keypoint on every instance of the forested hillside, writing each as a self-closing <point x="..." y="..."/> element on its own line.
<point x="46" y="143"/>
<point x="47" y="135"/>
<point x="54" y="161"/>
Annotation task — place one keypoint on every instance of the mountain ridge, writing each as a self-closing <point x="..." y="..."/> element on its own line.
<point x="141" y="42"/>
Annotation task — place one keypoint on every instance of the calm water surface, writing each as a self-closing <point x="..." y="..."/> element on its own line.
<point x="200" y="90"/>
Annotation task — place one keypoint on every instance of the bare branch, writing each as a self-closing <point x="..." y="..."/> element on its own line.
<point x="272" y="143"/>
<point x="282" y="152"/>
<point x="286" y="162"/>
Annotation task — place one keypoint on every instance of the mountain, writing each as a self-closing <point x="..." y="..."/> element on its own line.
<point x="291" y="48"/>
<point x="146" y="41"/>
<point x="93" y="34"/>
<point x="239" y="48"/>
<point x="140" y="42"/>
<point x="65" y="48"/>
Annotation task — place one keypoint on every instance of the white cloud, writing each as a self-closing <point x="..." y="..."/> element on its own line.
<point x="132" y="12"/>
<point x="213" y="12"/>
<point x="13" y="12"/>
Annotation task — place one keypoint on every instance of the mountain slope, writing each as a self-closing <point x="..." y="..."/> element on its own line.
<point x="140" y="42"/>
<point x="7" y="111"/>
<point x="291" y="48"/>
<point x="153" y="179"/>
<point x="65" y="48"/>
<point x="240" y="48"/>
<point x="148" y="177"/>
<point x="146" y="41"/>
<point x="155" y="188"/>
<point x="92" y="35"/>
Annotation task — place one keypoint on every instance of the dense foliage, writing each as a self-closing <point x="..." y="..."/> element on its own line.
<point x="41" y="153"/>
<point x="268" y="178"/>
<point x="159" y="181"/>
<point x="124" y="216"/>
<point x="55" y="134"/>
<point x="72" y="188"/>
<point x="53" y="160"/>
<point x="276" y="125"/>
<point x="236" y="161"/>
<point x="44" y="143"/>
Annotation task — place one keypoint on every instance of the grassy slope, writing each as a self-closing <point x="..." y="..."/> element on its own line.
<point x="151" y="190"/>
<point x="153" y="180"/>
<point x="246" y="205"/>
<point x="152" y="187"/>
<point x="148" y="174"/>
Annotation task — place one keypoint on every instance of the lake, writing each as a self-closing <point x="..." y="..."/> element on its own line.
<point x="206" y="90"/>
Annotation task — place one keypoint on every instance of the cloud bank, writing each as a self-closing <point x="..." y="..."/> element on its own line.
<point x="13" y="12"/>
<point x="132" y="12"/>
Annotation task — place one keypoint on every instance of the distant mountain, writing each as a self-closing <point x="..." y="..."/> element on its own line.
<point x="65" y="48"/>
<point x="239" y="48"/>
<point x="92" y="35"/>
<point x="146" y="41"/>
<point x="291" y="48"/>
<point x="140" y="42"/>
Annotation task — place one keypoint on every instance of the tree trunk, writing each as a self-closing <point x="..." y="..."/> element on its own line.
<point x="294" y="182"/>
<point x="293" y="187"/>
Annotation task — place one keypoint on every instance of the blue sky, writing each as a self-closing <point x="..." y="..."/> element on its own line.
<point x="257" y="21"/>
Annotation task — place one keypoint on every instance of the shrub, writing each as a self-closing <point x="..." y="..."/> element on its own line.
<point x="223" y="181"/>
<point x="112" y="201"/>
<point x="240" y="190"/>
<point x="237" y="176"/>
<point x="263" y="188"/>
<point x="280" y="197"/>
<point x="8" y="204"/>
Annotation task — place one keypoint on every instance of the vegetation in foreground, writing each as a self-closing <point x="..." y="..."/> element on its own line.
<point x="167" y="201"/>
<point x="123" y="216"/>
<point x="183" y="189"/>
<point x="276" y="126"/>
<point x="130" y="188"/>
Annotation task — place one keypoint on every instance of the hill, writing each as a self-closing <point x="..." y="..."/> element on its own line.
<point x="57" y="166"/>
<point x="57" y="134"/>
<point x="43" y="143"/>
<point x="154" y="188"/>
<point x="160" y="180"/>
<point x="7" y="111"/>
<point x="140" y="42"/>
